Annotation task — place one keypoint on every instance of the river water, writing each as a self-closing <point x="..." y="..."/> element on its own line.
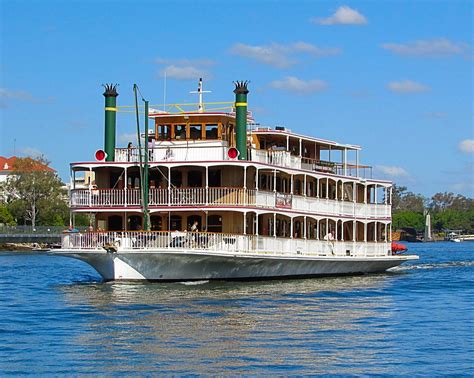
<point x="57" y="317"/>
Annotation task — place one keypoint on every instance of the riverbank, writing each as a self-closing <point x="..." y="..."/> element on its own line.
<point x="24" y="247"/>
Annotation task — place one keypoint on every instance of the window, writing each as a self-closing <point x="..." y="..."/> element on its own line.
<point x="194" y="179"/>
<point x="175" y="223"/>
<point x="194" y="218"/>
<point x="156" y="223"/>
<point x="214" y="223"/>
<point x="214" y="178"/>
<point x="180" y="132"/>
<point x="164" y="132"/>
<point x="211" y="131"/>
<point x="195" y="131"/>
<point x="176" y="179"/>
<point x="115" y="223"/>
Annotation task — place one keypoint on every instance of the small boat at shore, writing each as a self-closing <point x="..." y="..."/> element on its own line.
<point x="209" y="195"/>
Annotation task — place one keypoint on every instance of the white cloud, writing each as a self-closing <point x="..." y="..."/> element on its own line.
<point x="391" y="171"/>
<point x="437" y="115"/>
<point x="16" y="95"/>
<point x="6" y="95"/>
<point x="295" y="85"/>
<point x="280" y="56"/>
<point x="186" y="62"/>
<point x="407" y="86"/>
<point x="467" y="146"/>
<point x="429" y="48"/>
<point x="344" y="15"/>
<point x="185" y="69"/>
<point x="184" y="72"/>
<point x="32" y="152"/>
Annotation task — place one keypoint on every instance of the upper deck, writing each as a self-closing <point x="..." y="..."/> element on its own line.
<point x="208" y="136"/>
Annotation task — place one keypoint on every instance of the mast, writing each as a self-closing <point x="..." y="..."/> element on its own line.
<point x="143" y="167"/>
<point x="200" y="92"/>
<point x="146" y="215"/>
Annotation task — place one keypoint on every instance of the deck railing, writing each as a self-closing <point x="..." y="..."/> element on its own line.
<point x="214" y="150"/>
<point x="163" y="197"/>
<point x="222" y="196"/>
<point x="222" y="242"/>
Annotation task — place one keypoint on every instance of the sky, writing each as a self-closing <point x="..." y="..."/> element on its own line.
<point x="395" y="77"/>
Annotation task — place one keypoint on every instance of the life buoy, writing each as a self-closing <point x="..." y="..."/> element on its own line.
<point x="398" y="248"/>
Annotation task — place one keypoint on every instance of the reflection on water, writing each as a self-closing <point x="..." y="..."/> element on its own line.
<point x="58" y="318"/>
<point x="235" y="327"/>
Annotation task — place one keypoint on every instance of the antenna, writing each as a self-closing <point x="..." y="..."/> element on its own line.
<point x="164" y="93"/>
<point x="200" y="92"/>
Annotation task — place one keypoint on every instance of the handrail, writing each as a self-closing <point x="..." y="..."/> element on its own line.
<point x="177" y="241"/>
<point x="222" y="196"/>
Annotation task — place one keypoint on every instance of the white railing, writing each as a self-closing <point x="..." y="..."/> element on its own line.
<point x="175" y="151"/>
<point x="163" y="197"/>
<point x="280" y="158"/>
<point x="222" y="242"/>
<point x="105" y="197"/>
<point x="225" y="196"/>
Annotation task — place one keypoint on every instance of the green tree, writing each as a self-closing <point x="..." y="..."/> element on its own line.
<point x="33" y="191"/>
<point x="412" y="219"/>
<point x="402" y="200"/>
<point x="5" y="216"/>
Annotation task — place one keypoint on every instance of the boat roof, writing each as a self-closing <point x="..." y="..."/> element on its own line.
<point x="334" y="145"/>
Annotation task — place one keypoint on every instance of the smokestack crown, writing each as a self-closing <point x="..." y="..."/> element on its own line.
<point x="110" y="90"/>
<point x="241" y="87"/>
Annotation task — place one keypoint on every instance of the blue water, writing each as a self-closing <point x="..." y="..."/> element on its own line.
<point x="57" y="317"/>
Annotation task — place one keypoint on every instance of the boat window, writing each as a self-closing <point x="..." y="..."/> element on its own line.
<point x="175" y="223"/>
<point x="214" y="223"/>
<point x="164" y="132"/>
<point x="176" y="179"/>
<point x="214" y="177"/>
<point x="211" y="131"/>
<point x="195" y="131"/>
<point x="194" y="179"/>
<point x="179" y="132"/>
<point x="134" y="223"/>
<point x="156" y="223"/>
<point x="190" y="221"/>
<point x="115" y="223"/>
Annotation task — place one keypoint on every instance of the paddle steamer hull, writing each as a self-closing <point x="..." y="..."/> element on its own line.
<point x="194" y="265"/>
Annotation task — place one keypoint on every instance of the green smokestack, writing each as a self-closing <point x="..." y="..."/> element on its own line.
<point x="110" y="95"/>
<point x="241" y="118"/>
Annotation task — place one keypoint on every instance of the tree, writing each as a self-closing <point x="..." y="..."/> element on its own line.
<point x="34" y="189"/>
<point x="5" y="217"/>
<point x="450" y="201"/>
<point x="406" y="201"/>
<point x="412" y="219"/>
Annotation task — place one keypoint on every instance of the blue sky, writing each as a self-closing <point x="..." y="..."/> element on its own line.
<point x="394" y="77"/>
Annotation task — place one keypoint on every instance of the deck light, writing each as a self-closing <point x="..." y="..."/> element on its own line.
<point x="100" y="155"/>
<point x="232" y="153"/>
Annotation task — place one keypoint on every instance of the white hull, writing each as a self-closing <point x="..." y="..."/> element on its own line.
<point x="172" y="265"/>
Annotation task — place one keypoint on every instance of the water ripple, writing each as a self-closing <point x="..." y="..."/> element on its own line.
<point x="58" y="318"/>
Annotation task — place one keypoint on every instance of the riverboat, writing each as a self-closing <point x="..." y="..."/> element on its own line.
<point x="211" y="195"/>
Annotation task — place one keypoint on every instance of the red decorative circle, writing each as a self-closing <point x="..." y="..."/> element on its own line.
<point x="232" y="153"/>
<point x="100" y="155"/>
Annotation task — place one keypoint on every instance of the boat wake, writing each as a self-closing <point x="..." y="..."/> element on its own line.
<point x="452" y="264"/>
<point x="194" y="283"/>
